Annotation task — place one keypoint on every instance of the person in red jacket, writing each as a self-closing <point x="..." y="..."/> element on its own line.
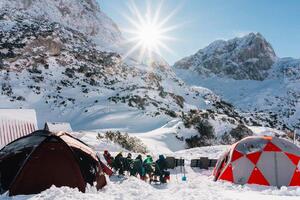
<point x="109" y="159"/>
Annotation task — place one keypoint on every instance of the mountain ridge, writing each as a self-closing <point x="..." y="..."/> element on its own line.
<point x="66" y="75"/>
<point x="247" y="57"/>
<point x="265" y="89"/>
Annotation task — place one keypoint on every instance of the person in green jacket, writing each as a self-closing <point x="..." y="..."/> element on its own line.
<point x="138" y="167"/>
<point x="148" y="165"/>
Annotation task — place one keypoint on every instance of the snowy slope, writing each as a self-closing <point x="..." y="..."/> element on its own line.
<point x="49" y="65"/>
<point x="267" y="89"/>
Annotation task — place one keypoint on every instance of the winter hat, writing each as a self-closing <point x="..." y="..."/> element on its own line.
<point x="161" y="157"/>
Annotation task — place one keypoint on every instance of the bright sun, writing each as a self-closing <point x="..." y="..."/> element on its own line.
<point x="149" y="33"/>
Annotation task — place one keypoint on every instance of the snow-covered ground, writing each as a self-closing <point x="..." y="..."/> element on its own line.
<point x="199" y="184"/>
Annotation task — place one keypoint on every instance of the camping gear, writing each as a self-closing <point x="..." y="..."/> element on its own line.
<point x="173" y="162"/>
<point x="170" y="162"/>
<point x="179" y="162"/>
<point x="261" y="160"/>
<point x="183" y="177"/>
<point x="41" y="159"/>
<point x="182" y="169"/>
<point x="166" y="176"/>
<point x="212" y="162"/>
<point x="106" y="169"/>
<point x="16" y="123"/>
<point x="203" y="163"/>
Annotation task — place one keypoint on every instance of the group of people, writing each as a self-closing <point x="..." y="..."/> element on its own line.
<point x="146" y="169"/>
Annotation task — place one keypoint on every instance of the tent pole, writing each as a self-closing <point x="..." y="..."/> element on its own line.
<point x="295" y="136"/>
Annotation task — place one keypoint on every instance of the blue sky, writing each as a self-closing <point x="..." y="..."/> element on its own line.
<point x="203" y="21"/>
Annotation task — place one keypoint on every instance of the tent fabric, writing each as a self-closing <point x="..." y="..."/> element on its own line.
<point x="16" y="123"/>
<point x="260" y="160"/>
<point x="37" y="161"/>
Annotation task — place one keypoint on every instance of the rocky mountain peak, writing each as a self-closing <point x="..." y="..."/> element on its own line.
<point x="248" y="57"/>
<point x="84" y="16"/>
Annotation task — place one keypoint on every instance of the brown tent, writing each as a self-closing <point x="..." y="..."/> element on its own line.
<point x="37" y="161"/>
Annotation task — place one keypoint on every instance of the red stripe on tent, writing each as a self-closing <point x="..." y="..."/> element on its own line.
<point x="295" y="159"/>
<point x="271" y="147"/>
<point x="227" y="174"/>
<point x="254" y="157"/>
<point x="257" y="177"/>
<point x="296" y="178"/>
<point x="236" y="155"/>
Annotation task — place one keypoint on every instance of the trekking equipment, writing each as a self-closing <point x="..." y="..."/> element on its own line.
<point x="182" y="168"/>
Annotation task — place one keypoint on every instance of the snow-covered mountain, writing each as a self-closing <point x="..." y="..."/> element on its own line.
<point x="247" y="73"/>
<point x="83" y="16"/>
<point x="249" y="57"/>
<point x="51" y="62"/>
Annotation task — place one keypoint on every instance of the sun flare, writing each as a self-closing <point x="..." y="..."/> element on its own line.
<point x="149" y="33"/>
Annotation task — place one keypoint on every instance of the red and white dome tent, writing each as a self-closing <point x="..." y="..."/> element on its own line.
<point x="262" y="160"/>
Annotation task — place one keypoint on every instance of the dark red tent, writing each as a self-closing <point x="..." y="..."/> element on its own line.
<point x="37" y="161"/>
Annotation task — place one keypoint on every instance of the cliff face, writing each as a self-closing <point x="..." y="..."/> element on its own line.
<point x="248" y="57"/>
